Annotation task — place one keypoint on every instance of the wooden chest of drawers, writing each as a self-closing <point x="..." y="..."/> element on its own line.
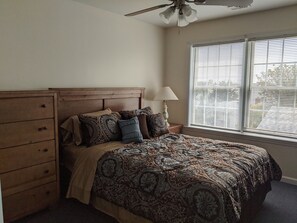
<point x="28" y="152"/>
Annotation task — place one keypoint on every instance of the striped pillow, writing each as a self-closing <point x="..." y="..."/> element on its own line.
<point x="130" y="130"/>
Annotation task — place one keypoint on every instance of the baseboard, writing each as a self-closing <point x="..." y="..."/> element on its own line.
<point x="289" y="180"/>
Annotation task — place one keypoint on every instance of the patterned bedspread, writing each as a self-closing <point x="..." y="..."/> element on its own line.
<point x="178" y="178"/>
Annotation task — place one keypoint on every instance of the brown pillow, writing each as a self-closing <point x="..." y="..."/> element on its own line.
<point x="101" y="129"/>
<point x="71" y="128"/>
<point x="143" y="126"/>
<point x="157" y="125"/>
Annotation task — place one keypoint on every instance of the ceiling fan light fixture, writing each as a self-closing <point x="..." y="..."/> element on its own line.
<point x="187" y="10"/>
<point x="192" y="17"/>
<point x="181" y="21"/>
<point x="186" y="14"/>
<point x="167" y="14"/>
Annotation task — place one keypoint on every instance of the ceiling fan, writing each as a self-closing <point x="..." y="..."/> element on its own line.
<point x="186" y="14"/>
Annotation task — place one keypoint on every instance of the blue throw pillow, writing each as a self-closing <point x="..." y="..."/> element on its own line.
<point x="130" y="130"/>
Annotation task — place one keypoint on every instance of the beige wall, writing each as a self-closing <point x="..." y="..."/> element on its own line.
<point x="64" y="43"/>
<point x="273" y="22"/>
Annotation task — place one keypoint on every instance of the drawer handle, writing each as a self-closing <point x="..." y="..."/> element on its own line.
<point x="42" y="128"/>
<point x="46" y="171"/>
<point x="44" y="150"/>
<point x="48" y="193"/>
<point x="43" y="105"/>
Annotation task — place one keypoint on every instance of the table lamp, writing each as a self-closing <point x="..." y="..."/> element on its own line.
<point x="165" y="94"/>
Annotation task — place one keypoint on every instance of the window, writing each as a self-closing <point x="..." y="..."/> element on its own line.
<point x="255" y="94"/>
<point x="273" y="90"/>
<point x="218" y="74"/>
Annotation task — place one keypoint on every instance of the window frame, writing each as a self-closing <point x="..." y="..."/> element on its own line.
<point x="241" y="89"/>
<point x="244" y="97"/>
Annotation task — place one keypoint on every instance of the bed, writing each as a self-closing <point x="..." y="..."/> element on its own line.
<point x="171" y="178"/>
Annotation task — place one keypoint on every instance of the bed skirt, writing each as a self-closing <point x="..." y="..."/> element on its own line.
<point x="117" y="212"/>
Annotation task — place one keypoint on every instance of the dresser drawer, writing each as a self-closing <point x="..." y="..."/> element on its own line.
<point x="20" y="133"/>
<point x="26" y="156"/>
<point x="21" y="204"/>
<point x="23" y="109"/>
<point x="24" y="179"/>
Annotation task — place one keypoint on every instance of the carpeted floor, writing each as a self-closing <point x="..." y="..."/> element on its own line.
<point x="280" y="206"/>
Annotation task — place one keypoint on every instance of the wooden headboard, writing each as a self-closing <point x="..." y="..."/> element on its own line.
<point x="72" y="101"/>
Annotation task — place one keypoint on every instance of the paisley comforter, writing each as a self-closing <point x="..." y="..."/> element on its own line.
<point x="178" y="178"/>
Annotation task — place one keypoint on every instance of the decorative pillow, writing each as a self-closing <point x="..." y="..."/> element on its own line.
<point x="141" y="114"/>
<point x="143" y="126"/>
<point x="71" y="128"/>
<point x="130" y="114"/>
<point x="146" y="111"/>
<point x="157" y="125"/>
<point x="127" y="114"/>
<point x="97" y="130"/>
<point x="130" y="130"/>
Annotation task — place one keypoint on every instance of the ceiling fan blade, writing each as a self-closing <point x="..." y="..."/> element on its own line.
<point x="147" y="10"/>
<point x="228" y="3"/>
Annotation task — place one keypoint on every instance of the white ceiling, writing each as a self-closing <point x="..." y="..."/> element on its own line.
<point x="123" y="7"/>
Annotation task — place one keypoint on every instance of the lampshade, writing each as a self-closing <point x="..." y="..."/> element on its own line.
<point x="190" y="14"/>
<point x="167" y="14"/>
<point x="181" y="21"/>
<point x="165" y="94"/>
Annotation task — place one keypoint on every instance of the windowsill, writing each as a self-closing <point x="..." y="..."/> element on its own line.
<point x="260" y="137"/>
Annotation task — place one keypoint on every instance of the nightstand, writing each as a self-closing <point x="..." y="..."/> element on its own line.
<point x="175" y="128"/>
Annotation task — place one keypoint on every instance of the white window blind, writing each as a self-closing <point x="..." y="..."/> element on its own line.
<point x="218" y="73"/>
<point x="261" y="98"/>
<point x="273" y="90"/>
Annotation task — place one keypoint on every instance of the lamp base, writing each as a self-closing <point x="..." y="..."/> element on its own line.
<point x="165" y="114"/>
<point x="167" y="123"/>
